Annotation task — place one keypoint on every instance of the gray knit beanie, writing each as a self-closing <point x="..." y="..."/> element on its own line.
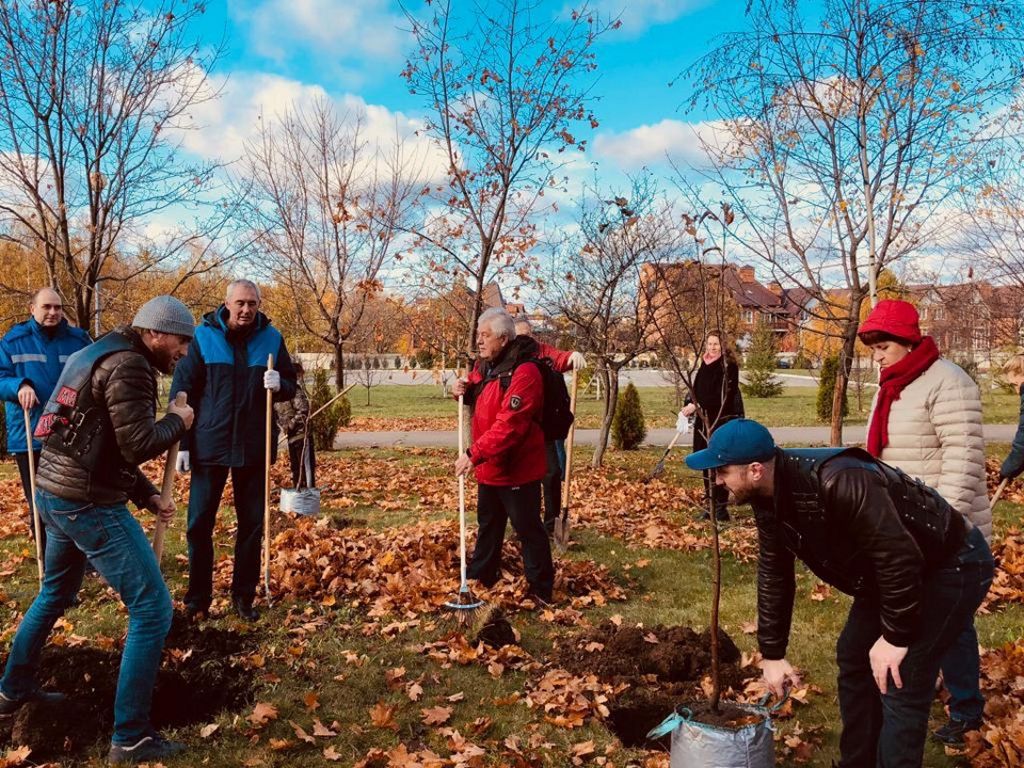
<point x="167" y="315"/>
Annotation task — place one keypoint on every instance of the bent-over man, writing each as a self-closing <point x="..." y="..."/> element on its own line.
<point x="98" y="426"/>
<point x="916" y="568"/>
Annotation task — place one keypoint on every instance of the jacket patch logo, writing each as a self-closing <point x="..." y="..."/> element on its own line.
<point x="514" y="402"/>
<point x="45" y="426"/>
<point x="67" y="396"/>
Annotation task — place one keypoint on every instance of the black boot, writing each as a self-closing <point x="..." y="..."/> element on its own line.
<point x="244" y="609"/>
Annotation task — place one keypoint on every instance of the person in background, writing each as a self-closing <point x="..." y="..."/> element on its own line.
<point x="32" y="356"/>
<point x="716" y="397"/>
<point x="1013" y="464"/>
<point x="226" y="378"/>
<point x="291" y="418"/>
<point x="926" y="421"/>
<point x="554" y="450"/>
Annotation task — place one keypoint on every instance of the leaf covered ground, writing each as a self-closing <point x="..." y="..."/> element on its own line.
<point x="357" y="663"/>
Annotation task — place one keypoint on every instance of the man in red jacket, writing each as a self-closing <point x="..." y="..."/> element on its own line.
<point x="507" y="453"/>
<point x="554" y="450"/>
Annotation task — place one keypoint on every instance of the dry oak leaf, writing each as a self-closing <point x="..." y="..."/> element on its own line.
<point x="383" y="715"/>
<point x="311" y="701"/>
<point x="262" y="713"/>
<point x="319" y="729"/>
<point x="208" y="730"/>
<point x="301" y="733"/>
<point x="330" y="753"/>
<point x="436" y="715"/>
<point x="414" y="691"/>
<point x="279" y="745"/>
<point x="15" y="757"/>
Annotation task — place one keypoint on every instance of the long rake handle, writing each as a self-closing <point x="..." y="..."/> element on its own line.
<point x="998" y="493"/>
<point x="167" y="488"/>
<point x="462" y="499"/>
<point x="37" y="524"/>
<point x="266" y="485"/>
<point x="574" y="388"/>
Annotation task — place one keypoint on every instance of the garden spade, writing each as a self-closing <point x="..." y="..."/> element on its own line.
<point x="660" y="466"/>
<point x="562" y="521"/>
<point x="998" y="493"/>
<point x="167" y="487"/>
<point x="37" y="524"/>
<point x="266" y="485"/>
<point x="466" y="604"/>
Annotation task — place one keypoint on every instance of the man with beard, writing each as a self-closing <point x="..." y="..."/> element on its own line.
<point x="507" y="453"/>
<point x="97" y="428"/>
<point x="916" y="568"/>
<point x="32" y="355"/>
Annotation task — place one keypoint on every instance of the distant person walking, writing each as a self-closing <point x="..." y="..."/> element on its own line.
<point x="716" y="397"/>
<point x="292" y="418"/>
<point x="32" y="356"/>
<point x="926" y="420"/>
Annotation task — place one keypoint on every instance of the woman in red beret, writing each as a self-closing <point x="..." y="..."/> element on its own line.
<point x="926" y="421"/>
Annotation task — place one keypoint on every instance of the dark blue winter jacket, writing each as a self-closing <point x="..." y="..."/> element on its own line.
<point x="1013" y="465"/>
<point x="223" y="377"/>
<point x="30" y="354"/>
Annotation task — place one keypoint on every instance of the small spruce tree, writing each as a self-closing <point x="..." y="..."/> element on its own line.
<point x="324" y="427"/>
<point x="760" y="367"/>
<point x="827" y="387"/>
<point x="628" y="428"/>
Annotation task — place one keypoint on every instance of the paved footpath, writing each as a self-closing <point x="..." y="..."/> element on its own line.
<point x="853" y="435"/>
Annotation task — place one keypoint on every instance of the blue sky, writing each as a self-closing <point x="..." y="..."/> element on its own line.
<point x="353" y="50"/>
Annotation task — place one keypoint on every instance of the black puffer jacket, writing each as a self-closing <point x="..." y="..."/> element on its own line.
<point x="123" y="390"/>
<point x="860" y="525"/>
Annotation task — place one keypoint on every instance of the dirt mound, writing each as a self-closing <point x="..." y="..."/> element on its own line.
<point x="200" y="677"/>
<point x="662" y="665"/>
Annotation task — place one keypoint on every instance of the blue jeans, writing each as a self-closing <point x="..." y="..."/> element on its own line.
<point x="114" y="542"/>
<point x="889" y="730"/>
<point x="961" y="673"/>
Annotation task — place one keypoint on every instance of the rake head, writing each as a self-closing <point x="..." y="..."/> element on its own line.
<point x="465" y="606"/>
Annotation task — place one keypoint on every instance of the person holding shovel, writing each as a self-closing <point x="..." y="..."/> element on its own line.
<point x="916" y="568"/>
<point x="292" y="416"/>
<point x="507" y="454"/>
<point x="226" y="378"/>
<point x="98" y="426"/>
<point x="32" y="356"/>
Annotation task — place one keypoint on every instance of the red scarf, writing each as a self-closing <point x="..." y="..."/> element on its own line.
<point x="708" y="360"/>
<point x="890" y="386"/>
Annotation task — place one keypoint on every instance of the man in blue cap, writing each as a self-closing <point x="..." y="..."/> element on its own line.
<point x="917" y="571"/>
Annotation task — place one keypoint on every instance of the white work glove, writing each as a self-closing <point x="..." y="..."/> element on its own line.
<point x="682" y="423"/>
<point x="272" y="381"/>
<point x="577" y="361"/>
<point x="183" y="464"/>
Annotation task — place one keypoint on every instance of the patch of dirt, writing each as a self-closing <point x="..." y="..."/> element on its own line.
<point x="662" y="666"/>
<point x="496" y="631"/>
<point x="200" y="677"/>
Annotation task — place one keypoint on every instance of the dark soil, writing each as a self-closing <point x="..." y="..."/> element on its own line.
<point x="191" y="688"/>
<point x="660" y="664"/>
<point x="496" y="630"/>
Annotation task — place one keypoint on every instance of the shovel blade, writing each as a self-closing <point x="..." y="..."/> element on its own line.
<point x="562" y="532"/>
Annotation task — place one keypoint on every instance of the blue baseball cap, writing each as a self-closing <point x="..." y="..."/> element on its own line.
<point x="741" y="441"/>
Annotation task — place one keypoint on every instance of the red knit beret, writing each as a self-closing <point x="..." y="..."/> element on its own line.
<point x="895" y="318"/>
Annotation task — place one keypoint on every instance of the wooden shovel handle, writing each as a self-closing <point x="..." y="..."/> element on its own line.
<point x="167" y="487"/>
<point x="37" y="524"/>
<point x="573" y="389"/>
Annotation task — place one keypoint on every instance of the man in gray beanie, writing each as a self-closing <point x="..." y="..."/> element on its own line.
<point x="98" y="426"/>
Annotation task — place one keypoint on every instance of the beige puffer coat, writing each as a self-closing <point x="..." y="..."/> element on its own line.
<point x="935" y="435"/>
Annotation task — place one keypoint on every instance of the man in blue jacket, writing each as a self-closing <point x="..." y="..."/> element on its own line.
<point x="225" y="376"/>
<point x="32" y="356"/>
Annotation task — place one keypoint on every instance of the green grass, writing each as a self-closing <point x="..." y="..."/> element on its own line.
<point x="344" y="663"/>
<point x="796" y="406"/>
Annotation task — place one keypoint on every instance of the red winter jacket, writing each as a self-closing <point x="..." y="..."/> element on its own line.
<point x="508" y="442"/>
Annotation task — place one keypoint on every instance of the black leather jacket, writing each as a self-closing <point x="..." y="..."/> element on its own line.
<point x="858" y="524"/>
<point x="124" y="432"/>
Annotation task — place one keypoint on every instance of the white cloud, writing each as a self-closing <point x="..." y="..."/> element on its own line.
<point x="357" y="31"/>
<point x="681" y="142"/>
<point x="639" y="15"/>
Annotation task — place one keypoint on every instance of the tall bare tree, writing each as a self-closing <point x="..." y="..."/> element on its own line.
<point x="601" y="294"/>
<point x="93" y="95"/>
<point x="504" y="83"/>
<point x="849" y="125"/>
<point x="327" y="207"/>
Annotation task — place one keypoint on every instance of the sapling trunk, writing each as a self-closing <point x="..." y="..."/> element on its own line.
<point x="716" y="596"/>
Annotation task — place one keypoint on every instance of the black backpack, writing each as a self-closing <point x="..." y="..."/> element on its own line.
<point x="556" y="417"/>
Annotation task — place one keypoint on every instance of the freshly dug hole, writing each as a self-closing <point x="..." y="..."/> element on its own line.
<point x="189" y="691"/>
